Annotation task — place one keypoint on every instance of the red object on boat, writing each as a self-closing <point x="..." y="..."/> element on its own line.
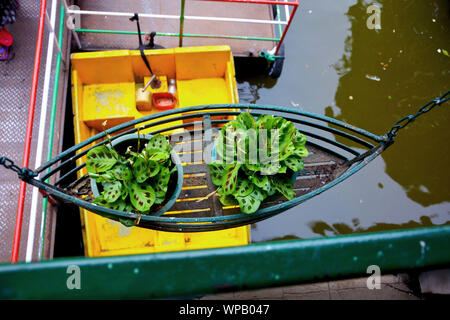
<point x="6" y="38"/>
<point x="163" y="100"/>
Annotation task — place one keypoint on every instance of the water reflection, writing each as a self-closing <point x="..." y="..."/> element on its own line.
<point x="248" y="88"/>
<point x="389" y="73"/>
<point x="324" y="229"/>
<point x="336" y="66"/>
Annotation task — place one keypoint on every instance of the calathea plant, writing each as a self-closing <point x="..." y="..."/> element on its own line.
<point x="136" y="181"/>
<point x="256" y="159"/>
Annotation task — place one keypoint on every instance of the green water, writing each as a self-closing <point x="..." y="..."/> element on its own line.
<point x="338" y="67"/>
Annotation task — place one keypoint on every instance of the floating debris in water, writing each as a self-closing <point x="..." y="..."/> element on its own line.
<point x="371" y="77"/>
<point x="295" y="105"/>
<point x="444" y="52"/>
<point x="350" y="97"/>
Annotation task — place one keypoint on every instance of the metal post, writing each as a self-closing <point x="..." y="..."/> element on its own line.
<point x="180" y="44"/>
<point x="52" y="30"/>
<point x="286" y="28"/>
<point x="74" y="33"/>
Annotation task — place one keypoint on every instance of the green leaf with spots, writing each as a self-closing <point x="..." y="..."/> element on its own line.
<point x="228" y="200"/>
<point x="216" y="170"/>
<point x="105" y="177"/>
<point x="285" y="186"/>
<point x="125" y="192"/>
<point x="247" y="119"/>
<point x="265" y="122"/>
<point x="248" y="204"/>
<point x="299" y="139"/>
<point x="100" y="159"/>
<point x="153" y="168"/>
<point x="259" y="194"/>
<point x="163" y="179"/>
<point x="121" y="172"/>
<point x="142" y="170"/>
<point x="142" y="196"/>
<point x="271" y="168"/>
<point x="244" y="188"/>
<point x="119" y="204"/>
<point x="158" y="155"/>
<point x="301" y="152"/>
<point x="230" y="178"/>
<point x="112" y="191"/>
<point x="260" y="181"/>
<point x="160" y="197"/>
<point x="158" y="142"/>
<point x="294" y="163"/>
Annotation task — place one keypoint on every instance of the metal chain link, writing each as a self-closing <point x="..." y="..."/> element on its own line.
<point x="400" y="124"/>
<point x="23" y="173"/>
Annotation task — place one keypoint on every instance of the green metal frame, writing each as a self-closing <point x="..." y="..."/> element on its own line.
<point x="320" y="127"/>
<point x="198" y="272"/>
<point x="185" y="35"/>
<point x="51" y="133"/>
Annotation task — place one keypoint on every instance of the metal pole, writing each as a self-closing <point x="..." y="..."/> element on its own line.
<point x="74" y="33"/>
<point x="51" y="130"/>
<point x="286" y="29"/>
<point x="180" y="44"/>
<point x="29" y="132"/>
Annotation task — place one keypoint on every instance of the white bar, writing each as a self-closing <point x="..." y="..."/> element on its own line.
<point x="41" y="135"/>
<point x="166" y="16"/>
<point x="49" y="25"/>
<point x="286" y="10"/>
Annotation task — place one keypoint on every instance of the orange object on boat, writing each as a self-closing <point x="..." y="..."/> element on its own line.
<point x="163" y="100"/>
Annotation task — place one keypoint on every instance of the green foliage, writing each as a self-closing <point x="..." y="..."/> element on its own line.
<point x="133" y="182"/>
<point x="266" y="171"/>
<point x="101" y="159"/>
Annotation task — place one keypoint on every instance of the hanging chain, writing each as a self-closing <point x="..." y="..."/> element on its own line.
<point x="23" y="173"/>
<point x="400" y="124"/>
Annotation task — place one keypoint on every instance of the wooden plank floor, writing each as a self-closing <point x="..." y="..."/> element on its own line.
<point x="172" y="7"/>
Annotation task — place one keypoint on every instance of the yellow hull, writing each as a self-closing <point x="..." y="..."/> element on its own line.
<point x="104" y="88"/>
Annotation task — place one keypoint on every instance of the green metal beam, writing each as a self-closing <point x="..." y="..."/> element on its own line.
<point x="208" y="271"/>
<point x="185" y="35"/>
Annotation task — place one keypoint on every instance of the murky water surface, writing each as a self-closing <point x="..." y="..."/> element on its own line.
<point x="337" y="67"/>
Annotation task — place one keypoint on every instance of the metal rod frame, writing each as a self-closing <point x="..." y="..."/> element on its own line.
<point x="182" y="17"/>
<point x="193" y="224"/>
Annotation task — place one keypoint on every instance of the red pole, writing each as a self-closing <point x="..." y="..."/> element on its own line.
<point x="29" y="132"/>
<point x="287" y="27"/>
<point x="290" y="3"/>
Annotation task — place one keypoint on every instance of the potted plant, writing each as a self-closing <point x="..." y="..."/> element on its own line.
<point x="137" y="173"/>
<point x="256" y="160"/>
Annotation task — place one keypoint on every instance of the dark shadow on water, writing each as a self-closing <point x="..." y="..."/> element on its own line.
<point x="324" y="229"/>
<point x="389" y="73"/>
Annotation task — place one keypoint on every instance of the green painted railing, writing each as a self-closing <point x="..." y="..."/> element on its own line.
<point x="185" y="35"/>
<point x="209" y="271"/>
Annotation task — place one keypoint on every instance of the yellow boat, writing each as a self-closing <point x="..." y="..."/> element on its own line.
<point x="108" y="86"/>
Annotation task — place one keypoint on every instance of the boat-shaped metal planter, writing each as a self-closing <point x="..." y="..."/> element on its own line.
<point x="337" y="151"/>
